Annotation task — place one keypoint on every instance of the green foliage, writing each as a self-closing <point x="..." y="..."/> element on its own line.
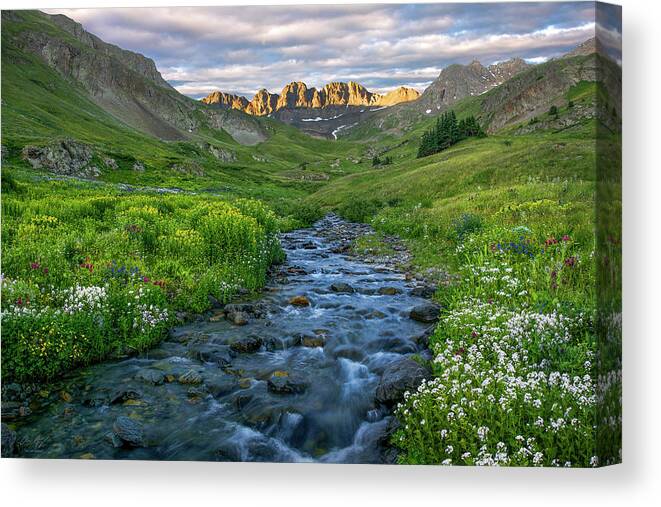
<point x="360" y="210"/>
<point x="88" y="275"/>
<point x="376" y="161"/>
<point x="448" y="132"/>
<point x="525" y="285"/>
<point x="466" y="224"/>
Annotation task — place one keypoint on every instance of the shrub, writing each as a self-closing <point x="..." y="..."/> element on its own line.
<point x="360" y="210"/>
<point x="465" y="225"/>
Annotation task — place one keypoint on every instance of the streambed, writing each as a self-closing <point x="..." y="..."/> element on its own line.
<point x="266" y="380"/>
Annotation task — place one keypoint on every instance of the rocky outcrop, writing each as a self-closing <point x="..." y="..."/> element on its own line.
<point x="297" y="95"/>
<point x="66" y="157"/>
<point x="263" y="103"/>
<point x="456" y="82"/>
<point x="124" y="84"/>
<point x="227" y="100"/>
<point x="397" y="96"/>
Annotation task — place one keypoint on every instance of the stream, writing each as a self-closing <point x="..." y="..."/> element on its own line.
<point x="263" y="380"/>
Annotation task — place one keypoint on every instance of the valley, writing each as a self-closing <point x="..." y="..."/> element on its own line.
<point x="118" y="193"/>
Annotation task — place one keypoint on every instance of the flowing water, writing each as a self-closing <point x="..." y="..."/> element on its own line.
<point x="307" y="393"/>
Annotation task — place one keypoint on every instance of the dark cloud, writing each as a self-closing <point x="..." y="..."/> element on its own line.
<point x="242" y="49"/>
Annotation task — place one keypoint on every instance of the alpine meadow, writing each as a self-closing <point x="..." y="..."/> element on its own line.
<point x="417" y="260"/>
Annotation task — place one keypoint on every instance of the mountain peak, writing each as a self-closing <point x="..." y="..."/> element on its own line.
<point x="297" y="94"/>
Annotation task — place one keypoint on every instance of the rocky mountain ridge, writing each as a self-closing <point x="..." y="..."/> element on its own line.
<point x="125" y="84"/>
<point x="297" y="95"/>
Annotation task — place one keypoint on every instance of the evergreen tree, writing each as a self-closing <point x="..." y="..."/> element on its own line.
<point x="446" y="132"/>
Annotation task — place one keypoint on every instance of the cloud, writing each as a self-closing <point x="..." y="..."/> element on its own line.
<point x="243" y="49"/>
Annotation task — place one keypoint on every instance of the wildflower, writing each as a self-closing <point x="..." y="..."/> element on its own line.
<point x="35" y="265"/>
<point x="570" y="261"/>
<point x="145" y="279"/>
<point x="566" y="238"/>
<point x="45" y="270"/>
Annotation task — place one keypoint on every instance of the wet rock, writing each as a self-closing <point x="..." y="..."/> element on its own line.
<point x="237" y="318"/>
<point x="375" y="314"/>
<point x="283" y="383"/>
<point x="149" y="376"/>
<point x="211" y="353"/>
<point x="246" y="345"/>
<point x="299" y="301"/>
<point x="349" y="352"/>
<point x="312" y="341"/>
<point x="221" y="385"/>
<point x="256" y="310"/>
<point x="309" y="246"/>
<point x="127" y="433"/>
<point x="343" y="288"/>
<point x="8" y="441"/>
<point x="426" y="312"/>
<point x="389" y="291"/>
<point x="124" y="395"/>
<point x="273" y="343"/>
<point x="190" y="377"/>
<point x="399" y="377"/>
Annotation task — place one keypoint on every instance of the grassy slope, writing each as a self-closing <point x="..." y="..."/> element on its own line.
<point x="478" y="176"/>
<point x="39" y="105"/>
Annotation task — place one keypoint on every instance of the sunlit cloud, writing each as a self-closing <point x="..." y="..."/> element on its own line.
<point x="243" y="49"/>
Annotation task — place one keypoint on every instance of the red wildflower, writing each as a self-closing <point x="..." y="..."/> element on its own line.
<point x="45" y="271"/>
<point x="35" y="265"/>
<point x="551" y="241"/>
<point x="570" y="261"/>
<point x="566" y="238"/>
<point x="145" y="279"/>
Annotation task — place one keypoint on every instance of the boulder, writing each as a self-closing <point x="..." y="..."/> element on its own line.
<point x="282" y="382"/>
<point x="388" y="291"/>
<point x="190" y="377"/>
<point x="426" y="312"/>
<point x="399" y="377"/>
<point x="237" y="318"/>
<point x="67" y="157"/>
<point x="246" y="345"/>
<point x="299" y="301"/>
<point x="124" y="395"/>
<point x="312" y="341"/>
<point x="128" y="433"/>
<point x="343" y="288"/>
<point x="149" y="376"/>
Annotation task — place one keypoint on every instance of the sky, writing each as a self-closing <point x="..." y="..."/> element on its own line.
<point x="242" y="49"/>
